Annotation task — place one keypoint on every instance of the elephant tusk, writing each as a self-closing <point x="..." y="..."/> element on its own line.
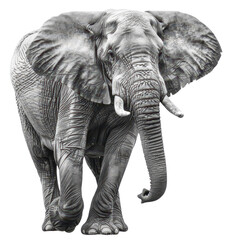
<point x="118" y="105"/>
<point x="169" y="105"/>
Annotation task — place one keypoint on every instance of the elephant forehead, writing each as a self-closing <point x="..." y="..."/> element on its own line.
<point x="129" y="18"/>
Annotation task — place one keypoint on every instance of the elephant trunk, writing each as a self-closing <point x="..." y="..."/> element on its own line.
<point x="145" y="88"/>
<point x="145" y="104"/>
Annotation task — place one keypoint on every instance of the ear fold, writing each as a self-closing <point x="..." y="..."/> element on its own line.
<point x="64" y="50"/>
<point x="190" y="49"/>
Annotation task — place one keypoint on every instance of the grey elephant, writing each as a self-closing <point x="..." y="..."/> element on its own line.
<point x="86" y="84"/>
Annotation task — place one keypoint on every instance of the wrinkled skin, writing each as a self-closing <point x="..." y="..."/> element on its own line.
<point x="136" y="79"/>
<point x="63" y="124"/>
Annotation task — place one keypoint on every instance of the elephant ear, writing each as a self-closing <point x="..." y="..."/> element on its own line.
<point x="64" y="50"/>
<point x="190" y="49"/>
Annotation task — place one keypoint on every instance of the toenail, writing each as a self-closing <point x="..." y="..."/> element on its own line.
<point x="92" y="231"/>
<point x="106" y="230"/>
<point x="48" y="227"/>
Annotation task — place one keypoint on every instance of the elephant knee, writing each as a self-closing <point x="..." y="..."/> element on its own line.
<point x="65" y="217"/>
<point x="71" y="210"/>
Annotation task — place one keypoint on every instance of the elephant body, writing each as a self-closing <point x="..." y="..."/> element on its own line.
<point x="43" y="111"/>
<point x="86" y="84"/>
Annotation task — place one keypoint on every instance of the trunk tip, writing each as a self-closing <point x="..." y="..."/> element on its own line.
<point x="123" y="113"/>
<point x="149" y="196"/>
<point x="180" y="114"/>
<point x="144" y="195"/>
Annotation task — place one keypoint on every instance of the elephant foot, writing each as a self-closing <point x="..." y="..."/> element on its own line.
<point x="47" y="225"/>
<point x="61" y="221"/>
<point x="120" y="224"/>
<point x="99" y="226"/>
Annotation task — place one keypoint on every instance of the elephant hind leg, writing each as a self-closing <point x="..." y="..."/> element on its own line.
<point x="44" y="162"/>
<point x="95" y="164"/>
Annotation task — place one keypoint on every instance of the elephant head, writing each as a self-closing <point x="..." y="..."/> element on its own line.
<point x="132" y="59"/>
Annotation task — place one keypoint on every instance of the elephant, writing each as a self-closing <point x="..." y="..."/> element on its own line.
<point x="86" y="83"/>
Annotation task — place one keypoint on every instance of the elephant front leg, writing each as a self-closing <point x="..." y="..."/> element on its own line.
<point x="70" y="141"/>
<point x="66" y="211"/>
<point x="117" y="215"/>
<point x="103" y="213"/>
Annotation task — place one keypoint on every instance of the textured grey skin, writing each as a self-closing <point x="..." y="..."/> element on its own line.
<point x="86" y="84"/>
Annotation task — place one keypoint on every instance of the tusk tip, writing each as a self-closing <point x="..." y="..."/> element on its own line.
<point x="119" y="107"/>
<point x="169" y="105"/>
<point x="123" y="114"/>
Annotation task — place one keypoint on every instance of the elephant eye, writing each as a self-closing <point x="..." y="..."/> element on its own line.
<point x="110" y="54"/>
<point x="160" y="54"/>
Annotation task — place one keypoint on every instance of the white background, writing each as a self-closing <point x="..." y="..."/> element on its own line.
<point x="202" y="200"/>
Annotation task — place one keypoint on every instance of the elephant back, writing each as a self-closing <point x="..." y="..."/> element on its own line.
<point x="22" y="74"/>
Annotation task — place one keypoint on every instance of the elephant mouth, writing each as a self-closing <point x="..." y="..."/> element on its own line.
<point x="107" y="74"/>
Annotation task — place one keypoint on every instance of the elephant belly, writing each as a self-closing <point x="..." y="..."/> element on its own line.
<point x="96" y="141"/>
<point x="99" y="129"/>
